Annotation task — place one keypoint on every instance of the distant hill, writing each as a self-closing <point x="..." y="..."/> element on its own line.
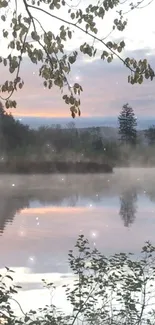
<point x="84" y="122"/>
<point x="108" y="126"/>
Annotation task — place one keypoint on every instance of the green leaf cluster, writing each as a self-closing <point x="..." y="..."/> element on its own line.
<point x="110" y="290"/>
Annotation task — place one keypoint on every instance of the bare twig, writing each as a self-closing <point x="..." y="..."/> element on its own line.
<point x="13" y="299"/>
<point x="136" y="7"/>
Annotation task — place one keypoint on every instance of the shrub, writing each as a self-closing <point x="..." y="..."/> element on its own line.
<point x="107" y="290"/>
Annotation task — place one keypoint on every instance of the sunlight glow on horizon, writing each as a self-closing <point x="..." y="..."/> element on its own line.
<point x="19" y="114"/>
<point x="55" y="209"/>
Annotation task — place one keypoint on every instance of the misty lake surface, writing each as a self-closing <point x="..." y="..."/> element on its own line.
<point x="41" y="217"/>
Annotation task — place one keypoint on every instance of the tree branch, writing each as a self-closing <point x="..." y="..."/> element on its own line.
<point x="137" y="6"/>
<point x="69" y="87"/>
<point x="19" y="65"/>
<point x="81" y="29"/>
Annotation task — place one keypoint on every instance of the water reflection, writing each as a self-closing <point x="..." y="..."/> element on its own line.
<point x="74" y="191"/>
<point x="120" y="190"/>
<point x="128" y="207"/>
<point x="9" y="207"/>
<point x="41" y="216"/>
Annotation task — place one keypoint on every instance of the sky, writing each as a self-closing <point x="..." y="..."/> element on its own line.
<point x="105" y="86"/>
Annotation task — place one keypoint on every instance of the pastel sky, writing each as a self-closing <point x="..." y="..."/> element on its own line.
<point x="105" y="85"/>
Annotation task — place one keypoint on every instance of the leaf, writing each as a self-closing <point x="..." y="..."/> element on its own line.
<point x="35" y="36"/>
<point x="9" y="277"/>
<point x="3" y="3"/>
<point x="20" y="85"/>
<point x="5" y="33"/>
<point x="3" y="18"/>
<point x="72" y="15"/>
<point x="12" y="44"/>
<point x="109" y="59"/>
<point x="27" y="318"/>
<point x="122" y="44"/>
<point x="69" y="34"/>
<point x="71" y="59"/>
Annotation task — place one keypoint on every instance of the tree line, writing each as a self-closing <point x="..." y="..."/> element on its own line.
<point x="19" y="141"/>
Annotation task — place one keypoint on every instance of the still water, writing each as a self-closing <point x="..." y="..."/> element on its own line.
<point x="41" y="217"/>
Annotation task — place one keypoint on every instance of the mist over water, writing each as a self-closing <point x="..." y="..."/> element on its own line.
<point x="41" y="217"/>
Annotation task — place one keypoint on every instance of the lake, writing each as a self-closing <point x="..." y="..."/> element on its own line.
<point x="41" y="217"/>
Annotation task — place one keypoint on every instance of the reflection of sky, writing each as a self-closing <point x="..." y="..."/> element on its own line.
<point x="97" y="201"/>
<point x="144" y="200"/>
<point x="40" y="236"/>
<point x="37" y="204"/>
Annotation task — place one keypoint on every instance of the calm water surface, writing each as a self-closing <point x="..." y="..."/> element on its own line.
<point x="42" y="216"/>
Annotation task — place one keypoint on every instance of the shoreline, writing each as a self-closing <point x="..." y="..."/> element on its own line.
<point x="56" y="167"/>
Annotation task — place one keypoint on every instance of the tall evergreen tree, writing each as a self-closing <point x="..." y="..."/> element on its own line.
<point x="127" y="125"/>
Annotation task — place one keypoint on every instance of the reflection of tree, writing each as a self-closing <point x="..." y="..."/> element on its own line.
<point x="72" y="200"/>
<point x="9" y="206"/>
<point x="128" y="208"/>
<point x="151" y="194"/>
<point x="59" y="193"/>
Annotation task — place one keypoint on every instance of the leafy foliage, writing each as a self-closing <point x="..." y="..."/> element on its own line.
<point x="27" y="36"/>
<point x="13" y="134"/>
<point x="110" y="290"/>
<point x="127" y="125"/>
